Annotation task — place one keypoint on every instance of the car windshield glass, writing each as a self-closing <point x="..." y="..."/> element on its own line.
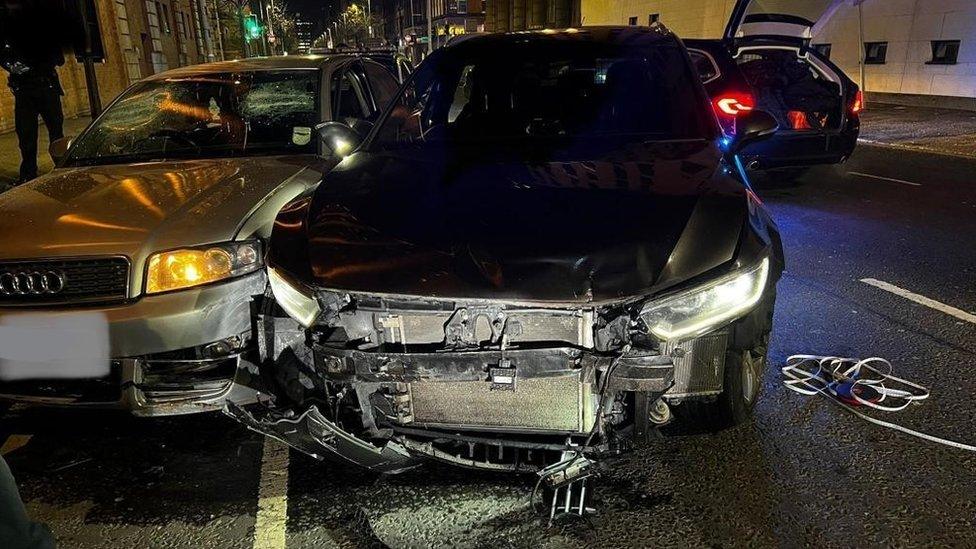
<point x="548" y="90"/>
<point x="205" y="116"/>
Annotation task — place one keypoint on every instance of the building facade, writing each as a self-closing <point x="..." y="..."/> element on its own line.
<point x="139" y="38"/>
<point x="515" y="15"/>
<point x="407" y="22"/>
<point x="911" y="47"/>
<point x="456" y="17"/>
<point x="305" y="35"/>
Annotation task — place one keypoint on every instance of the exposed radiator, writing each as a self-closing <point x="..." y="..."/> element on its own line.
<point x="553" y="404"/>
<point x="699" y="365"/>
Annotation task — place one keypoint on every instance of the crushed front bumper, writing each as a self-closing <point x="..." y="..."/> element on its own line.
<point x="150" y="349"/>
<point x="318" y="437"/>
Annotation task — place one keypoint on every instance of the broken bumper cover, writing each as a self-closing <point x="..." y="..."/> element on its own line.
<point x="126" y="390"/>
<point x="141" y="345"/>
<point x="320" y="438"/>
<point x="523" y="399"/>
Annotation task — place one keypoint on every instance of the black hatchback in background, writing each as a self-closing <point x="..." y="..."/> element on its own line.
<point x="766" y="61"/>
<point x="542" y="249"/>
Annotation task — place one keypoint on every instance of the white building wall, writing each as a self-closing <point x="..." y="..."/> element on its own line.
<point x="908" y="26"/>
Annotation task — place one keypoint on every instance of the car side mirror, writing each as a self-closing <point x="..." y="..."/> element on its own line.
<point x="339" y="138"/>
<point x="751" y="127"/>
<point x="59" y="148"/>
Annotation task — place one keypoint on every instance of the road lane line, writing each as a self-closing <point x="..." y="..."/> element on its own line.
<point x="14" y="442"/>
<point x="922" y="300"/>
<point x="272" y="517"/>
<point x="902" y="181"/>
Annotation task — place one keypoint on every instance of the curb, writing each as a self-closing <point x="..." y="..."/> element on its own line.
<point x="916" y="148"/>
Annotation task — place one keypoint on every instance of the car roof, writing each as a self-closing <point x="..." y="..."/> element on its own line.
<point x="622" y="35"/>
<point x="251" y="64"/>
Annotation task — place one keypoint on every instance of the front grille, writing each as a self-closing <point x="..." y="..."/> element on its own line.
<point x="64" y="281"/>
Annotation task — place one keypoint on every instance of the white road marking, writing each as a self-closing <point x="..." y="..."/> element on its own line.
<point x="272" y="517"/>
<point x="14" y="442"/>
<point x="922" y="300"/>
<point x="902" y="181"/>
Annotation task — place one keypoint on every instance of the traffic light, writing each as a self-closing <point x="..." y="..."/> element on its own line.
<point x="252" y="27"/>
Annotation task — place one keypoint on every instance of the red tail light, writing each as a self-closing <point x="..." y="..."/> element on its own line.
<point x="733" y="103"/>
<point x="858" y="104"/>
<point x="728" y="105"/>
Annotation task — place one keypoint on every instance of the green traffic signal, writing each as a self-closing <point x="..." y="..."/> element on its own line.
<point x="252" y="27"/>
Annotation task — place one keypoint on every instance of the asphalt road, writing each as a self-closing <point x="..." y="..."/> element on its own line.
<point x="802" y="472"/>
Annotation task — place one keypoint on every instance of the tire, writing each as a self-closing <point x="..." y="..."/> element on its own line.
<point x="742" y="380"/>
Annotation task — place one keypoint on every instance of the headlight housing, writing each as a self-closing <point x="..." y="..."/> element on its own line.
<point x="298" y="302"/>
<point x="190" y="267"/>
<point x="698" y="310"/>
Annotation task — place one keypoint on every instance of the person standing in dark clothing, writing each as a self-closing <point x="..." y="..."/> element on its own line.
<point x="30" y="60"/>
<point x="17" y="531"/>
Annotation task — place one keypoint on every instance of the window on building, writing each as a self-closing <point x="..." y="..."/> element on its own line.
<point x="163" y="11"/>
<point x="462" y="6"/>
<point x="823" y="50"/>
<point x="633" y="21"/>
<point x="875" y="53"/>
<point x="944" y="52"/>
<point x="653" y="18"/>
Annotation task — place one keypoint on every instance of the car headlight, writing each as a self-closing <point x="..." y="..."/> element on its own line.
<point x="698" y="310"/>
<point x="298" y="302"/>
<point x="189" y="267"/>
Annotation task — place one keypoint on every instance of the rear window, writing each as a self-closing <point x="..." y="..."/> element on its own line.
<point x="545" y="90"/>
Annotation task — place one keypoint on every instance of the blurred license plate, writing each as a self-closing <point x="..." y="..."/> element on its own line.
<point x="71" y="345"/>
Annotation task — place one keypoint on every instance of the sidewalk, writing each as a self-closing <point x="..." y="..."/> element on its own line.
<point x="940" y="131"/>
<point x="10" y="154"/>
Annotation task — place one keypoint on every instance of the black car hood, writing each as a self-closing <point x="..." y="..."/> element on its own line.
<point x="622" y="222"/>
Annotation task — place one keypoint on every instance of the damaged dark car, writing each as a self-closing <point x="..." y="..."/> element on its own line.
<point x="543" y="251"/>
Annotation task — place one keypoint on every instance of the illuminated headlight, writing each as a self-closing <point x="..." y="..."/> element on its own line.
<point x="189" y="267"/>
<point x="699" y="310"/>
<point x="298" y="302"/>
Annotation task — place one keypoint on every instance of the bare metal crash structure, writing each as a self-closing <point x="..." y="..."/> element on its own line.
<point x="501" y="280"/>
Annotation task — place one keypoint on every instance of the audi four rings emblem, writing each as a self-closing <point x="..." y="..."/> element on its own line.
<point x="31" y="282"/>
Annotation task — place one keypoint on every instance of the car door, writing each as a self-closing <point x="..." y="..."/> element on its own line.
<point x="382" y="84"/>
<point x="350" y="100"/>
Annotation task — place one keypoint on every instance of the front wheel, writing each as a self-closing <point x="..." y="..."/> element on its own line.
<point x="742" y="380"/>
<point x="745" y="367"/>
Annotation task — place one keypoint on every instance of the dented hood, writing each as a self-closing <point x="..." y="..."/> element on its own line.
<point x="457" y="224"/>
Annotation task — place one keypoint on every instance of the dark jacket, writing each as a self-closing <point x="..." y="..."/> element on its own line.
<point x="28" y="51"/>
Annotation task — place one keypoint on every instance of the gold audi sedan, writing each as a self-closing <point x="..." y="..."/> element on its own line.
<point x="130" y="275"/>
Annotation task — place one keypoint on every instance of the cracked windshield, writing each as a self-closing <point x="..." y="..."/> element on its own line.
<point x="211" y="115"/>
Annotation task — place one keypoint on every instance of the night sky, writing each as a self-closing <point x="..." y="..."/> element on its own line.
<point x="316" y="11"/>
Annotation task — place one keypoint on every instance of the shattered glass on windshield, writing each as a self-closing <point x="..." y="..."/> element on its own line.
<point x="205" y="116"/>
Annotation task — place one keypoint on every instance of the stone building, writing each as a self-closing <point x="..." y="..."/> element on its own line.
<point x="139" y="38"/>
